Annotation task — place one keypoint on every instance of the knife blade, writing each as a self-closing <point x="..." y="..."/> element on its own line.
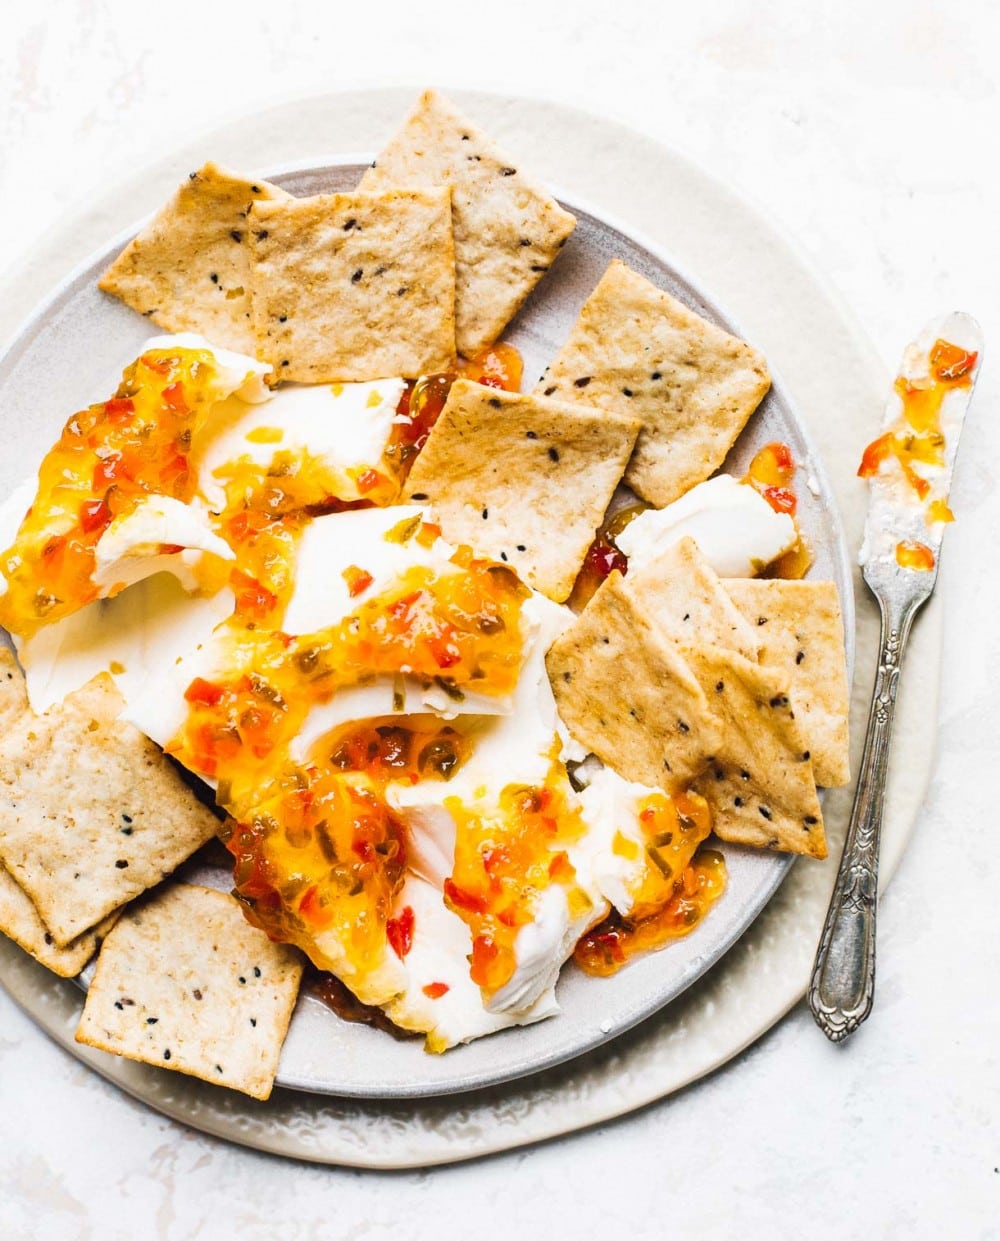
<point x="909" y="467"/>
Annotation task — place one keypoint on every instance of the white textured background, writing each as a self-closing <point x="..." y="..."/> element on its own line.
<point x="868" y="131"/>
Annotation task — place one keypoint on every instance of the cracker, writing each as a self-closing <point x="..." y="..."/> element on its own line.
<point x="186" y="983"/>
<point x="91" y="812"/>
<point x="522" y="479"/>
<point x="760" y="782"/>
<point x="685" y="594"/>
<point x="636" y="350"/>
<point x="354" y="286"/>
<point x="13" y="691"/>
<point x="802" y="638"/>
<point x="508" y="229"/>
<point x="20" y="922"/>
<point x="19" y="918"/>
<point x="189" y="269"/>
<point x="624" y="690"/>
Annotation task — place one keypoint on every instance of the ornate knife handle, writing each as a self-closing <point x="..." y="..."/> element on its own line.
<point x="843" y="981"/>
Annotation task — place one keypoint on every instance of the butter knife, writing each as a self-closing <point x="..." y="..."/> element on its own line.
<point x="909" y="467"/>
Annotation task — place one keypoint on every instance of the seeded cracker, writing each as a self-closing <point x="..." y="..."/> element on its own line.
<point x="19" y="919"/>
<point x="522" y="479"/>
<point x="636" y="350"/>
<point x="189" y="269"/>
<point x="802" y="639"/>
<point x="20" y="922"/>
<point x="685" y="594"/>
<point x="760" y="784"/>
<point x="624" y="690"/>
<point x="185" y="982"/>
<point x="508" y="230"/>
<point x="354" y="286"/>
<point x="91" y="812"/>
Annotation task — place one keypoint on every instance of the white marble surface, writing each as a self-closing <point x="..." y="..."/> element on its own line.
<point x="858" y="127"/>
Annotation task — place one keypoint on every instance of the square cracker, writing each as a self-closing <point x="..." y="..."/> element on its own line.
<point x="508" y="230"/>
<point x="802" y="639"/>
<point x="189" y="269"/>
<point x="91" y="812"/>
<point x="624" y="690"/>
<point x="20" y="922"/>
<point x="19" y="918"/>
<point x="354" y="286"/>
<point x="687" y="597"/>
<point x="760" y="781"/>
<point x="522" y="479"/>
<point x="636" y="350"/>
<point x="185" y="982"/>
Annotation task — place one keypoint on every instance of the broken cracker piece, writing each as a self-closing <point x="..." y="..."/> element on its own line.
<point x="354" y="286"/>
<point x="635" y="350"/>
<point x="91" y="812"/>
<point x="760" y="782"/>
<point x="189" y="269"/>
<point x="185" y="982"/>
<point x="685" y="594"/>
<point x="522" y="479"/>
<point x="508" y="229"/>
<point x="802" y="637"/>
<point x="624" y="690"/>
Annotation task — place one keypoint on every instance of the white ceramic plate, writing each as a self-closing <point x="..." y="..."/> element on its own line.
<point x="324" y="1053"/>
<point x="783" y="308"/>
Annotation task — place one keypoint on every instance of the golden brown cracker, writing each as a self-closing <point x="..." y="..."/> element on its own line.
<point x="508" y="229"/>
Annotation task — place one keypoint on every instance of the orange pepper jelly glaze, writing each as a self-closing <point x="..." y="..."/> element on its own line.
<point x="266" y="510"/>
<point x="605" y="948"/>
<point x="325" y="854"/>
<point x="677" y="890"/>
<point x="460" y="628"/>
<point x="505" y="857"/>
<point x="916" y="436"/>
<point x="603" y="555"/>
<point x="772" y="474"/>
<point x="913" y="555"/>
<point x="107" y="458"/>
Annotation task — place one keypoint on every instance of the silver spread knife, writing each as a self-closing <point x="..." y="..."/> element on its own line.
<point x="909" y="467"/>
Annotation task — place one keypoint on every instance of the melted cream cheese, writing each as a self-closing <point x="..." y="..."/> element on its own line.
<point x="133" y="637"/>
<point x="130" y="549"/>
<point x="346" y="427"/>
<point x="735" y="528"/>
<point x="239" y="374"/>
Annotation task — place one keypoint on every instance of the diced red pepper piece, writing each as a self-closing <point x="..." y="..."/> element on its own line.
<point x="94" y="515"/>
<point x="462" y="899"/>
<point x="399" y="932"/>
<point x="204" y="692"/>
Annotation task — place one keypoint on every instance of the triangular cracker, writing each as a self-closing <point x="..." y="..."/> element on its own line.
<point x="636" y="350"/>
<point x="802" y="638"/>
<point x="508" y="230"/>
<point x="354" y="286"/>
<point x="189" y="268"/>
<point x="685" y="594"/>
<point x="624" y="690"/>
<point x="185" y="982"/>
<point x="522" y="479"/>
<point x="91" y="812"/>
<point x="760" y="781"/>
